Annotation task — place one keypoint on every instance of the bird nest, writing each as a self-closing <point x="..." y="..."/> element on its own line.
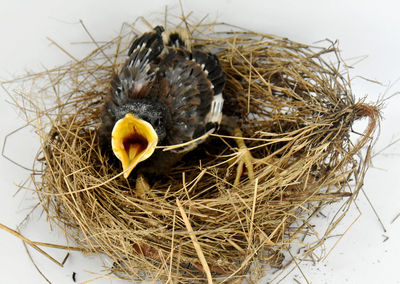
<point x="238" y="202"/>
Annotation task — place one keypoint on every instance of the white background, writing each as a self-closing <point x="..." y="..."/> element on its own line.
<point x="363" y="28"/>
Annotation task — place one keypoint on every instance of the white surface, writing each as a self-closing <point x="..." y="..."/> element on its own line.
<point x="363" y="28"/>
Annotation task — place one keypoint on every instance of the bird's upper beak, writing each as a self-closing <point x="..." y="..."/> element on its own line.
<point x="133" y="140"/>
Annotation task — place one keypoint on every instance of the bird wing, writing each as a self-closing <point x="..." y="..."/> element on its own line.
<point x="191" y="84"/>
<point x="136" y="74"/>
<point x="139" y="70"/>
<point x="195" y="81"/>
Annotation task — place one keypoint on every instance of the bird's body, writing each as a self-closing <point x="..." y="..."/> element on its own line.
<point x="165" y="94"/>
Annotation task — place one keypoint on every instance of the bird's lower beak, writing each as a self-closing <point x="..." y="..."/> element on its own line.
<point x="133" y="140"/>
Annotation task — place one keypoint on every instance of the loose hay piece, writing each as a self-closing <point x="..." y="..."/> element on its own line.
<point x="234" y="201"/>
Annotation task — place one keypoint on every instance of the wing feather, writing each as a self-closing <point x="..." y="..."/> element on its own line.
<point x="196" y="108"/>
<point x="162" y="66"/>
<point x="138" y="71"/>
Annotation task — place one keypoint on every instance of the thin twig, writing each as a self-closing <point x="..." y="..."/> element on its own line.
<point x="32" y="244"/>
<point x="196" y="243"/>
<point x="33" y="262"/>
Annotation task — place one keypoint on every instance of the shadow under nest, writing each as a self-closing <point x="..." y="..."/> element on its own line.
<point x="294" y="111"/>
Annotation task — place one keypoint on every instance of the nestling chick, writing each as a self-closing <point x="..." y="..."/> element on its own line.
<point x="165" y="94"/>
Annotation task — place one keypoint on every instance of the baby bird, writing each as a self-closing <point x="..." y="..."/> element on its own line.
<point x="165" y="94"/>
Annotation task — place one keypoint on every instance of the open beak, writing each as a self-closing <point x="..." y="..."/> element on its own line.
<point x="133" y="140"/>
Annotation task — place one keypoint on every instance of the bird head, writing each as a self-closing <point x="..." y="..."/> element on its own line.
<point x="133" y="140"/>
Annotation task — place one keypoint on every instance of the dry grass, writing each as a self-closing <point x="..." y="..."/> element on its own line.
<point x="215" y="214"/>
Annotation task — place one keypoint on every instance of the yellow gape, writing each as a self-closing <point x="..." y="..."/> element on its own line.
<point x="133" y="140"/>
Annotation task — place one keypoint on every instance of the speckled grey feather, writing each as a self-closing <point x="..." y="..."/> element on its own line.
<point x="178" y="91"/>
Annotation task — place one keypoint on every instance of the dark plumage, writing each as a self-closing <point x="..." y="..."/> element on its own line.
<point x="175" y="89"/>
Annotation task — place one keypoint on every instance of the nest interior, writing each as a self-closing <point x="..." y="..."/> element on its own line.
<point x="240" y="199"/>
